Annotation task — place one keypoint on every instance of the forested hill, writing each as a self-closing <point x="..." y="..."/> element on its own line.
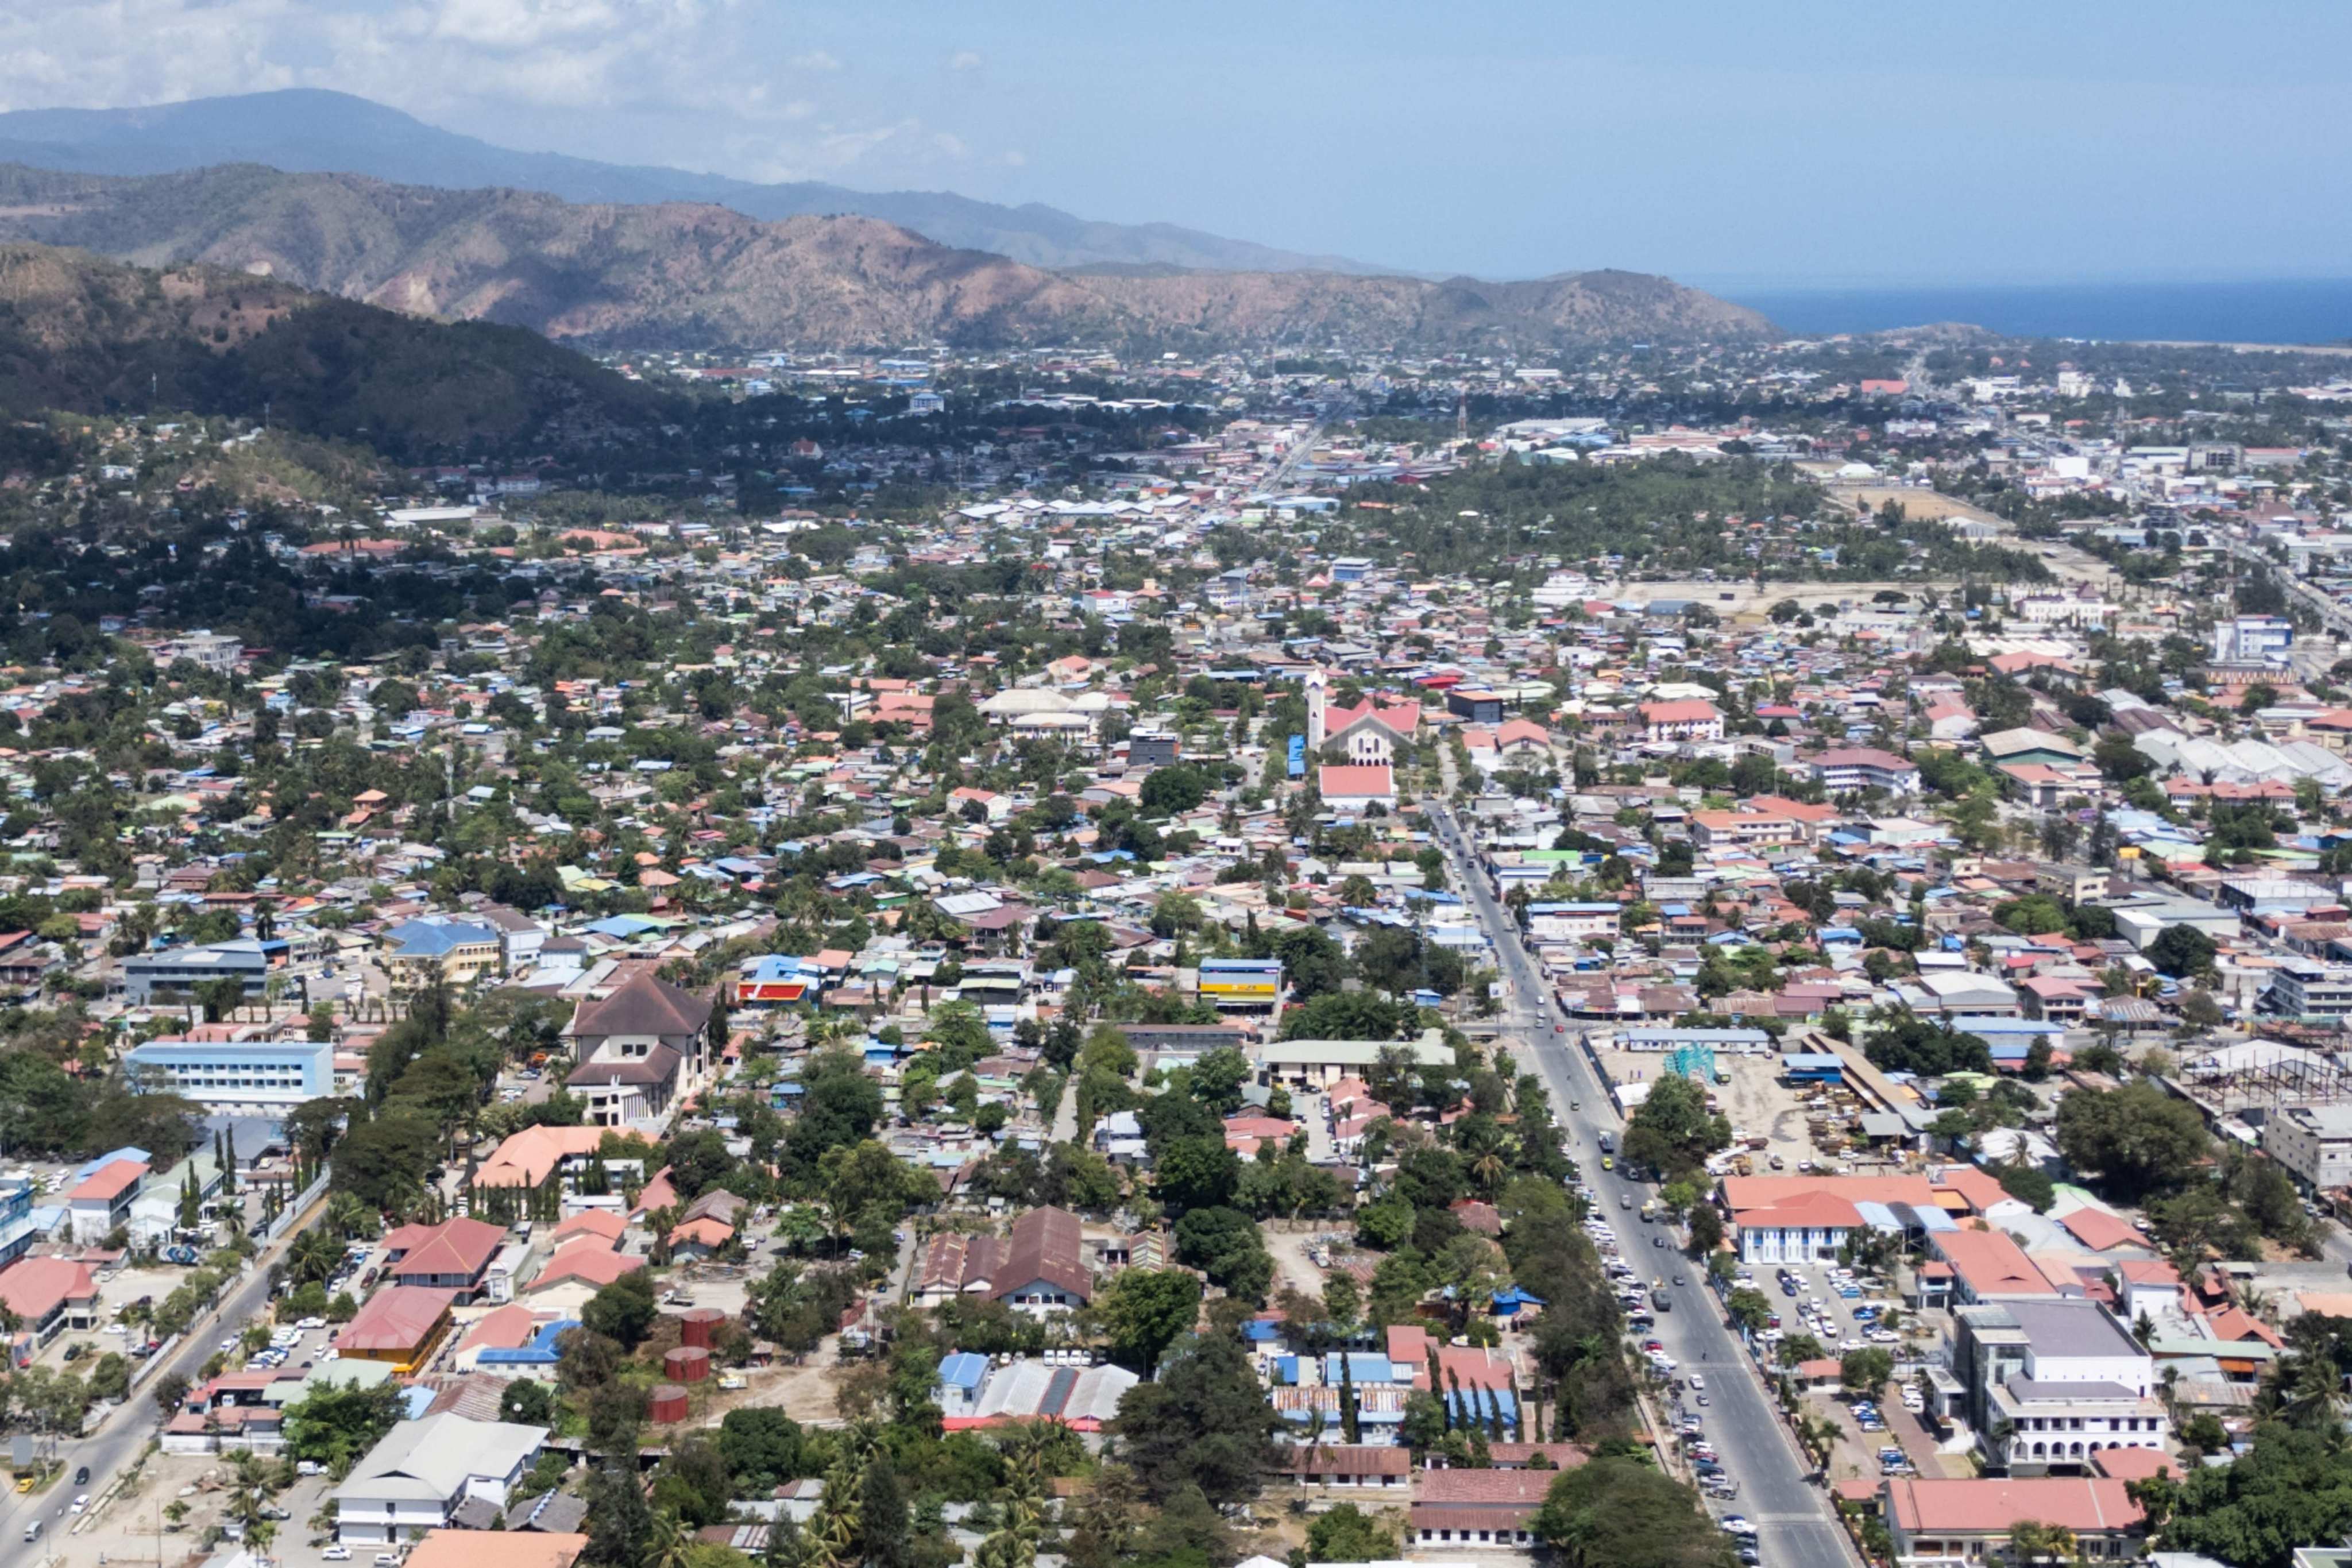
<point x="82" y="333"/>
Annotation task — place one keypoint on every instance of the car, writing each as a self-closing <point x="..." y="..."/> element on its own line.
<point x="80" y="1503"/>
<point x="1658" y="1240"/>
<point x="1680" y="1280"/>
<point x="1697" y="1381"/>
<point x="1736" y="1524"/>
<point x="1607" y="1164"/>
<point x="337" y="1554"/>
<point x="81" y="1477"/>
<point x="24" y="1484"/>
<point x="387" y="1559"/>
<point x="1624" y="1201"/>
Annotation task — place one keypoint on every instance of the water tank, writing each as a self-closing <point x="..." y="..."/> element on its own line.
<point x="700" y="1326"/>
<point x="669" y="1403"/>
<point x="688" y="1363"/>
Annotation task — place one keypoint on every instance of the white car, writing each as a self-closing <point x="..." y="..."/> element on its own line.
<point x="337" y="1554"/>
<point x="80" y="1502"/>
<point x="1698" y="1381"/>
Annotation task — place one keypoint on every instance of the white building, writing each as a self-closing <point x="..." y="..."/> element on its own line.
<point x="2313" y="1142"/>
<point x="414" y="1479"/>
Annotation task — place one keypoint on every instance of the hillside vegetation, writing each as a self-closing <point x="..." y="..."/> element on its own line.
<point x="80" y="332"/>
<point x="691" y="274"/>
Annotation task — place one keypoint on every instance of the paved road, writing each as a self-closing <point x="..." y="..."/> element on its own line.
<point x="130" y="1427"/>
<point x="1790" y="1514"/>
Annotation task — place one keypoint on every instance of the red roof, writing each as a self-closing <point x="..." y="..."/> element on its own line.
<point x="396" y="1317"/>
<point x="109" y="1182"/>
<point x="587" y="1260"/>
<point x="33" y="1287"/>
<point x="1993" y="1505"/>
<point x="2097" y="1229"/>
<point x="1346" y="780"/>
<point x="459" y="1247"/>
<point x="1990" y="1263"/>
<point x="1690" y="711"/>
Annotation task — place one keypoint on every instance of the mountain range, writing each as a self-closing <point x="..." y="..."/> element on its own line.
<point x="682" y="274"/>
<point x="306" y="131"/>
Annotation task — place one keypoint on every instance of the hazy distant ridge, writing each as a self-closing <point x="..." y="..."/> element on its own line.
<point x="681" y="273"/>
<point x="308" y="131"/>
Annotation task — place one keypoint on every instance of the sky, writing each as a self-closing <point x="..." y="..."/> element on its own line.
<point x="1790" y="142"/>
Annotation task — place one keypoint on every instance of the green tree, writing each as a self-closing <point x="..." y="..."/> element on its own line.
<point x="2136" y="1140"/>
<point x="1616" y="1512"/>
<point x="622" y="1312"/>
<point x="333" y="1426"/>
<point x="2183" y="951"/>
<point x="1142" y="1311"/>
<point x="1205" y="1422"/>
<point x="1672" y="1131"/>
<point x="1347" y="1534"/>
<point x="1866" y="1370"/>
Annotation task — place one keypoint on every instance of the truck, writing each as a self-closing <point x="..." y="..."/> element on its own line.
<point x="1660" y="1300"/>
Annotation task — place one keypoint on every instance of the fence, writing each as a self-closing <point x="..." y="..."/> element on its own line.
<point x="293" y="1211"/>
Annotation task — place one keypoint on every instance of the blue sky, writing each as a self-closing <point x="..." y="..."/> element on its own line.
<point x="1756" y="144"/>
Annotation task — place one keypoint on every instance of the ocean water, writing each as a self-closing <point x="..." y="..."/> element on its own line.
<point x="2271" y="310"/>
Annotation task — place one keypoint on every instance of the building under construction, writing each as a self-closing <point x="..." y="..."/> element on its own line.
<point x="2262" y="1078"/>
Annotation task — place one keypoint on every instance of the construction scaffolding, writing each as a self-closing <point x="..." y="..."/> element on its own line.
<point x="2268" y="1077"/>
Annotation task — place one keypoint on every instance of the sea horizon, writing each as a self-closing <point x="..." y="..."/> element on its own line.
<point x="2287" y="311"/>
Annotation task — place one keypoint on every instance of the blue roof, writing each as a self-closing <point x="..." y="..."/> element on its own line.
<point x="1363" y="1366"/>
<point x="623" y="926"/>
<point x="1259" y="1331"/>
<point x="963" y="1370"/>
<point x="1809" y="1061"/>
<point x="1481" y="1404"/>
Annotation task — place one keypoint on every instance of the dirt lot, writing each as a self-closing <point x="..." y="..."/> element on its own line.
<point x="127" y="1529"/>
<point x="1289" y="1242"/>
<point x="1755" y="1100"/>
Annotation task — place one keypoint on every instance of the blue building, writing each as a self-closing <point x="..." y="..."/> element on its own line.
<point x="262" y="1076"/>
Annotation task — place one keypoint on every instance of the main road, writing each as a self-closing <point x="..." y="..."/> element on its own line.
<point x="127" y="1429"/>
<point x="1790" y="1514"/>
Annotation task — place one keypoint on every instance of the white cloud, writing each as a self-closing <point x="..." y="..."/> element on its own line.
<point x="702" y="83"/>
<point x="1013" y="158"/>
<point x="965" y="60"/>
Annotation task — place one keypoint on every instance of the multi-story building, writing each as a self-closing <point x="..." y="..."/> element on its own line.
<point x="2305" y="988"/>
<point x="639" y="1049"/>
<point x="259" y="1076"/>
<point x="2313" y="1142"/>
<point x="422" y="952"/>
<point x="2253" y="639"/>
<point x="2048" y="1384"/>
<point x="1691" y="718"/>
<point x="178" y="970"/>
<point x="1855" y="768"/>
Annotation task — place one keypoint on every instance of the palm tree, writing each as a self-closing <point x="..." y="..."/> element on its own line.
<point x="671" y="1544"/>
